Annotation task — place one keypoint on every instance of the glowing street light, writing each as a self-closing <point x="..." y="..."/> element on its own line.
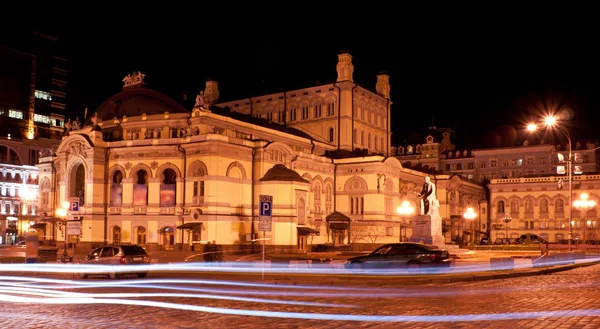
<point x="551" y="122"/>
<point x="404" y="211"/>
<point x="62" y="213"/>
<point x="469" y="215"/>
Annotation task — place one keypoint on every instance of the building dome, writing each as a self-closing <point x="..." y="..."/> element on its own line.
<point x="280" y="172"/>
<point x="135" y="101"/>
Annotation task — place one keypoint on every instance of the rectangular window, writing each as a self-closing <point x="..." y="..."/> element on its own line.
<point x="15" y="114"/>
<point x="493" y="163"/>
<point x="530" y="160"/>
<point x="33" y="157"/>
<point x="43" y="95"/>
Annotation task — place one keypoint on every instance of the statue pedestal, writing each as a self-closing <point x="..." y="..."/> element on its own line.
<point x="427" y="229"/>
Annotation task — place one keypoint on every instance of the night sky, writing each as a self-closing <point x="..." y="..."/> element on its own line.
<point x="476" y="76"/>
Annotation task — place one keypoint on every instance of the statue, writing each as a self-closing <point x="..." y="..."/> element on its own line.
<point x="135" y="78"/>
<point x="127" y="80"/>
<point x="201" y="101"/>
<point x="76" y="124"/>
<point x="429" y="199"/>
<point x="69" y="125"/>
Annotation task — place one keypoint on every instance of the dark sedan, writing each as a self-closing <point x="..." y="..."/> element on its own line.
<point x="409" y="255"/>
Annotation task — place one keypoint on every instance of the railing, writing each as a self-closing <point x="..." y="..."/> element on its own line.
<point x="167" y="210"/>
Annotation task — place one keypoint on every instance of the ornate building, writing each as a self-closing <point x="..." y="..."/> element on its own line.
<point x="543" y="206"/>
<point x="146" y="170"/>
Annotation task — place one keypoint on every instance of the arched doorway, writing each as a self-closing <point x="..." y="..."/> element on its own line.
<point x="77" y="184"/>
<point x="141" y="235"/>
<point x="168" y="238"/>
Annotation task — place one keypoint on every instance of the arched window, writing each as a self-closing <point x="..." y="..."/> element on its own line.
<point x="369" y="141"/>
<point x="301" y="211"/>
<point x="559" y="206"/>
<point x="116" y="189"/>
<point x="317" y="199"/>
<point x="500" y="207"/>
<point x="116" y="234"/>
<point x="331" y="135"/>
<point x="140" y="188"/>
<point x="362" y="138"/>
<point x="514" y="206"/>
<point x="77" y="184"/>
<point x="141" y="235"/>
<point x="14" y="158"/>
<point x="376" y="143"/>
<point x="544" y="205"/>
<point x="528" y="206"/>
<point x="167" y="188"/>
<point x="198" y="191"/>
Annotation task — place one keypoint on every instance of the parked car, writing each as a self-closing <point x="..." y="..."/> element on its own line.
<point x="117" y="255"/>
<point x="410" y="255"/>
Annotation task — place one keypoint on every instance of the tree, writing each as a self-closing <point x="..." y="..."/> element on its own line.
<point x="312" y="223"/>
<point x="368" y="233"/>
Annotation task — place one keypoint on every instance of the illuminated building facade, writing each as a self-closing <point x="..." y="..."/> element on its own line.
<point x="145" y="169"/>
<point x="32" y="103"/>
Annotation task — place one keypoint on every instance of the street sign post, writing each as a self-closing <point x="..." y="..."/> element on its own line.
<point x="73" y="227"/>
<point x="265" y="212"/>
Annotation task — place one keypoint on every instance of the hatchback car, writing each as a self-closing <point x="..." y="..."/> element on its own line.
<point x="116" y="255"/>
<point x="410" y="255"/>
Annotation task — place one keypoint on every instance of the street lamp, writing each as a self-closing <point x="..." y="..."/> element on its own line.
<point x="27" y="197"/>
<point x="404" y="210"/>
<point x="583" y="204"/>
<point x="551" y="121"/>
<point x="469" y="215"/>
<point x="506" y="220"/>
<point x="62" y="214"/>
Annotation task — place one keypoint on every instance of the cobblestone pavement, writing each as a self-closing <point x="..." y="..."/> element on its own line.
<point x="567" y="299"/>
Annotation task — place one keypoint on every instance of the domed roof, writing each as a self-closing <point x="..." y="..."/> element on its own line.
<point x="280" y="172"/>
<point x="136" y="100"/>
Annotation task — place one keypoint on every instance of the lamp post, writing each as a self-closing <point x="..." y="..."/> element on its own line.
<point x="27" y="197"/>
<point x="404" y="210"/>
<point x="583" y="204"/>
<point x="469" y="215"/>
<point x="506" y="220"/>
<point x="551" y="121"/>
<point x="62" y="214"/>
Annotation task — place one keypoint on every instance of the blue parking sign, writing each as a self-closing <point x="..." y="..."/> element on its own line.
<point x="265" y="204"/>
<point x="74" y="204"/>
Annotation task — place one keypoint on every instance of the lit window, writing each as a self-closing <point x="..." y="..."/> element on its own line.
<point x="15" y="114"/>
<point x="43" y="95"/>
